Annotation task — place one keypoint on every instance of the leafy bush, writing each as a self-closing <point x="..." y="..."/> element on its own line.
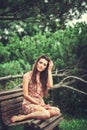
<point x="73" y="124"/>
<point x="14" y="67"/>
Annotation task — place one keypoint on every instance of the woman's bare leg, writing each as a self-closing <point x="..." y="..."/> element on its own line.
<point x="54" y="111"/>
<point x="41" y="113"/>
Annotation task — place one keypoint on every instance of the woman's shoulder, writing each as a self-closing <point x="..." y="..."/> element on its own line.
<point x="27" y="74"/>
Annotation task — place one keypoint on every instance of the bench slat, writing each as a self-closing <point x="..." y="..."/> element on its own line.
<point x="7" y="115"/>
<point x="53" y="124"/>
<point x="2" y="98"/>
<point x="27" y="122"/>
<point x="15" y="111"/>
<point x="36" y="122"/>
<point x="10" y="108"/>
<point x="48" y="121"/>
<point x="3" y="93"/>
<point x="12" y="102"/>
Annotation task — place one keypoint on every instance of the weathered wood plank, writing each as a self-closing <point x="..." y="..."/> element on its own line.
<point x="53" y="124"/>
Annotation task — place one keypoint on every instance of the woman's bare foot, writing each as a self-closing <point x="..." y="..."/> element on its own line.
<point x="16" y="118"/>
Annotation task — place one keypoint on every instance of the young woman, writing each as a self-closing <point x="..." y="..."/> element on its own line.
<point x="35" y="86"/>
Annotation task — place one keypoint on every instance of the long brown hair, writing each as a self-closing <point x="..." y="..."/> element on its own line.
<point x="43" y="74"/>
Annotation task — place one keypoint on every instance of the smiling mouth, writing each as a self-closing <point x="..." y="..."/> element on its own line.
<point x="40" y="68"/>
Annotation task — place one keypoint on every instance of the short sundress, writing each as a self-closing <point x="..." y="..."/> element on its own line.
<point x="36" y="93"/>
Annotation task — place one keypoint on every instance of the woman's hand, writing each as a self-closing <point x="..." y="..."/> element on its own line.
<point x="46" y="106"/>
<point x="50" y="78"/>
<point x="50" y="65"/>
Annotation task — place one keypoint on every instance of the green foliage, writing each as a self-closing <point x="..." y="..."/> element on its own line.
<point x="4" y="53"/>
<point x="11" y="84"/>
<point x="60" y="46"/>
<point x="73" y="124"/>
<point x="14" y="67"/>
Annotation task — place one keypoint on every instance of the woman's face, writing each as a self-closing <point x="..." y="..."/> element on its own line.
<point x="42" y="64"/>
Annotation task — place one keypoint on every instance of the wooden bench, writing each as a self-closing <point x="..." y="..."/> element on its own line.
<point x="11" y="104"/>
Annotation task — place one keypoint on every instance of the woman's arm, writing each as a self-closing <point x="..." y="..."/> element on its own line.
<point x="25" y="88"/>
<point x="50" y="78"/>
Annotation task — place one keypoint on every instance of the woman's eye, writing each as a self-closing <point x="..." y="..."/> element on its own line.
<point x="40" y="62"/>
<point x="44" y="64"/>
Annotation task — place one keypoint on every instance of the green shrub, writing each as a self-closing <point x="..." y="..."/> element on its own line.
<point x="73" y="124"/>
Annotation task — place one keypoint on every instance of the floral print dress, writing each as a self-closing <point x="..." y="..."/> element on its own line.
<point x="36" y="92"/>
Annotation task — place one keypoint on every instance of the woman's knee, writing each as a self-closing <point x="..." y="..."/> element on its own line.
<point x="54" y="111"/>
<point x="57" y="109"/>
<point x="46" y="114"/>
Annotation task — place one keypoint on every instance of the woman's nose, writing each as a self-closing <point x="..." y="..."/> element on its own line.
<point x="42" y="65"/>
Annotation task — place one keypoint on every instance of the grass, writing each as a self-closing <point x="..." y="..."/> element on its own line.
<point x="73" y="124"/>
